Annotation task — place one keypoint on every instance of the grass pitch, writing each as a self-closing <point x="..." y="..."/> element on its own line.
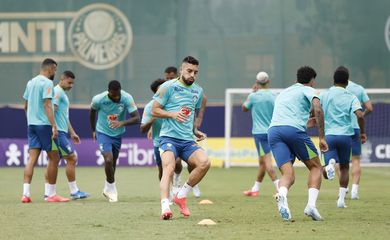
<point x="136" y="215"/>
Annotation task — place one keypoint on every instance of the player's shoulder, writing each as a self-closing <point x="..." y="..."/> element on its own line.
<point x="100" y="96"/>
<point x="148" y="106"/>
<point x="126" y="94"/>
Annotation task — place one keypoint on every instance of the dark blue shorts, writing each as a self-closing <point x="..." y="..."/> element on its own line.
<point x="288" y="142"/>
<point x="262" y="146"/>
<point x="65" y="147"/>
<point x="180" y="148"/>
<point x="157" y="156"/>
<point x="356" y="143"/>
<point x="39" y="137"/>
<point x="108" y="144"/>
<point x="339" y="149"/>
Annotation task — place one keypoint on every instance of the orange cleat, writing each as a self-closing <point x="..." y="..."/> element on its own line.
<point x="182" y="203"/>
<point x="57" y="198"/>
<point x="249" y="193"/>
<point x="26" y="199"/>
<point x="166" y="215"/>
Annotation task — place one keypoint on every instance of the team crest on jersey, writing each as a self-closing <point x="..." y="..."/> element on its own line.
<point x="121" y="107"/>
<point x="195" y="99"/>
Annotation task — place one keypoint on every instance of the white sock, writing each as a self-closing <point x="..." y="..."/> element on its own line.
<point x="110" y="187"/>
<point x="283" y="191"/>
<point x="73" y="187"/>
<point x="52" y="190"/>
<point x="176" y="180"/>
<point x="256" y="186"/>
<point x="355" y="188"/>
<point x="276" y="183"/>
<point x="164" y="204"/>
<point x="313" y="195"/>
<point x="26" y="189"/>
<point x="342" y="193"/>
<point x="47" y="189"/>
<point x="184" y="191"/>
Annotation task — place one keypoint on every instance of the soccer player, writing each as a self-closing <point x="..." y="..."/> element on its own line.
<point x="149" y="122"/>
<point x="288" y="139"/>
<point x="261" y="103"/>
<point x="339" y="105"/>
<point x="42" y="129"/>
<point x="362" y="96"/>
<point x="111" y="107"/>
<point x="170" y="73"/>
<point x="65" y="147"/>
<point x="176" y="102"/>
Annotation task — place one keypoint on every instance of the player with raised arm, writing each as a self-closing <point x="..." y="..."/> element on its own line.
<point x="111" y="107"/>
<point x="176" y="102"/>
<point x="339" y="105"/>
<point x="42" y="129"/>
<point x="288" y="139"/>
<point x="261" y="104"/>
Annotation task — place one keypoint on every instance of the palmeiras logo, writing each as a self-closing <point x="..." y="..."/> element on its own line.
<point x="387" y="33"/>
<point x="100" y="36"/>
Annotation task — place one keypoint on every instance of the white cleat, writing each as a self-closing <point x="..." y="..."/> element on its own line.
<point x="196" y="191"/>
<point x="175" y="190"/>
<point x="312" y="212"/>
<point x="354" y="196"/>
<point x="330" y="169"/>
<point x="283" y="209"/>
<point x="341" y="203"/>
<point x="111" y="197"/>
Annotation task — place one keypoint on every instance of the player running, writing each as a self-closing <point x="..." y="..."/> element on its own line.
<point x="176" y="102"/>
<point x="261" y="103"/>
<point x="288" y="139"/>
<point x="42" y="129"/>
<point x="339" y="105"/>
<point x="111" y="107"/>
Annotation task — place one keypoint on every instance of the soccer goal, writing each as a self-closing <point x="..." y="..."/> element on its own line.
<point x="240" y="149"/>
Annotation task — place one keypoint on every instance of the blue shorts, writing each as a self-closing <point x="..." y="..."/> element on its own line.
<point x="262" y="146"/>
<point x="180" y="148"/>
<point x="339" y="149"/>
<point x="288" y="142"/>
<point x="356" y="143"/>
<point x="65" y="147"/>
<point x="108" y="144"/>
<point x="157" y="156"/>
<point x="39" y="137"/>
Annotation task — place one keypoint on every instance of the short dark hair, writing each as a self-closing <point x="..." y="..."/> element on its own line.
<point x="191" y="60"/>
<point x="47" y="62"/>
<point x="341" y="75"/>
<point x="155" y="84"/>
<point x="171" y="69"/>
<point x="114" y="85"/>
<point x="69" y="74"/>
<point x="305" y="74"/>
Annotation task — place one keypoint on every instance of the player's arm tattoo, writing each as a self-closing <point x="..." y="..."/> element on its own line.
<point x="134" y="119"/>
<point x="199" y="114"/>
<point x="92" y="119"/>
<point x="319" y="115"/>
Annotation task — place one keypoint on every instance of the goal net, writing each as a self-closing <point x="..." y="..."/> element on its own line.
<point x="240" y="148"/>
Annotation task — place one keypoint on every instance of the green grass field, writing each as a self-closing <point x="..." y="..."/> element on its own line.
<point x="136" y="215"/>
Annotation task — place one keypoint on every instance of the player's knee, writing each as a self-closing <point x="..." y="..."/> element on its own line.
<point x="71" y="160"/>
<point x="109" y="160"/>
<point x="204" y="163"/>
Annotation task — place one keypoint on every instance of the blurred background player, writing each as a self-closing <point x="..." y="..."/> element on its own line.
<point x="42" y="129"/>
<point x="111" y="107"/>
<point x="362" y="96"/>
<point x="65" y="147"/>
<point x="170" y="73"/>
<point x="261" y="103"/>
<point x="339" y="105"/>
<point x="176" y="102"/>
<point x="288" y="139"/>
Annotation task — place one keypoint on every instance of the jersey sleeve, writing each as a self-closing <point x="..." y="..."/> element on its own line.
<point x="47" y="90"/>
<point x="311" y="93"/>
<point x="146" y="116"/>
<point x="163" y="94"/>
<point x="364" y="97"/>
<point x="26" y="92"/>
<point x="131" y="107"/>
<point x="57" y="97"/>
<point x="248" y="102"/>
<point x="95" y="104"/>
<point x="355" y="104"/>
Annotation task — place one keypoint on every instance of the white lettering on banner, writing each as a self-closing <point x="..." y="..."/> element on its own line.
<point x="134" y="155"/>
<point x="42" y="159"/>
<point x="382" y="151"/>
<point x="13" y="155"/>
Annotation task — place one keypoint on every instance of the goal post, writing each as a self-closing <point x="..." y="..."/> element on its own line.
<point x="234" y="97"/>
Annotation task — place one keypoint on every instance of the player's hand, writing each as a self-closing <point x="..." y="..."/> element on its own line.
<point x="116" y="124"/>
<point x="94" y="136"/>
<point x="54" y="132"/>
<point x="363" y="138"/>
<point x="150" y="134"/>
<point x="311" y="122"/>
<point x="200" y="136"/>
<point x="75" y="138"/>
<point x="180" y="117"/>
<point x="323" y="145"/>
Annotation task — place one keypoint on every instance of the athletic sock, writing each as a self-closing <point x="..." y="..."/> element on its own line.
<point x="355" y="188"/>
<point x="283" y="191"/>
<point x="313" y="195"/>
<point x="73" y="187"/>
<point x="342" y="193"/>
<point x="176" y="180"/>
<point x="52" y="190"/>
<point x="276" y="183"/>
<point x="26" y="189"/>
<point x="184" y="191"/>
<point x="164" y="204"/>
<point x="256" y="187"/>
<point x="110" y="187"/>
<point x="47" y="190"/>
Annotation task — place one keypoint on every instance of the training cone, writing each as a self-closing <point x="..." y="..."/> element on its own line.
<point x="207" y="222"/>
<point x="205" y="201"/>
